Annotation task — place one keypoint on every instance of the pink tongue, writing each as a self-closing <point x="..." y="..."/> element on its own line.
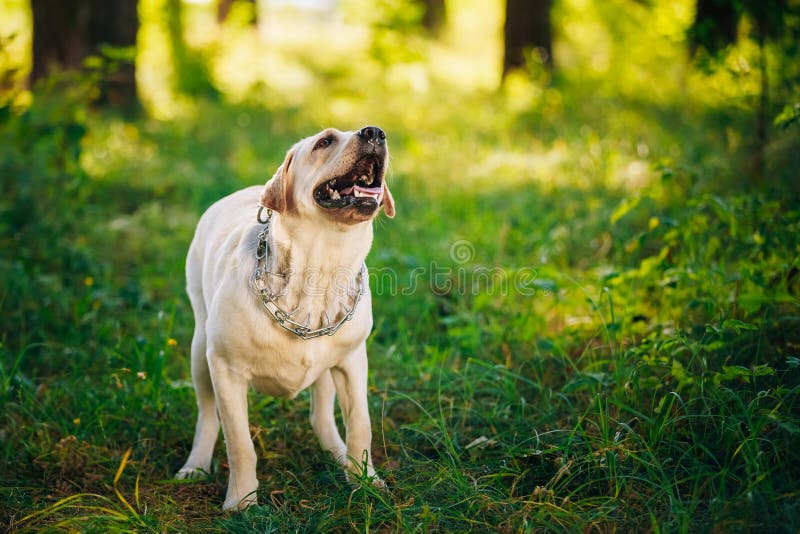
<point x="369" y="190"/>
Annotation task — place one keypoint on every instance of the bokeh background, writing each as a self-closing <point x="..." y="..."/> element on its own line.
<point x="586" y="309"/>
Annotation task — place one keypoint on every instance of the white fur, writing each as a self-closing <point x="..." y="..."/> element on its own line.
<point x="237" y="343"/>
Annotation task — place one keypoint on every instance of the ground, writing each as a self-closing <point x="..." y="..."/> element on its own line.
<point x="586" y="309"/>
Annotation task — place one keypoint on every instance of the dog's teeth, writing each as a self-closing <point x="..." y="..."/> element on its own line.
<point x="335" y="195"/>
<point x="332" y="182"/>
<point x="357" y="193"/>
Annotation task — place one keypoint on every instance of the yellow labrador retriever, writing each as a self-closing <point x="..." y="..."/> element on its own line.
<point x="283" y="303"/>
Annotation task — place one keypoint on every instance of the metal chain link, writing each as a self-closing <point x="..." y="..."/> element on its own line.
<point x="284" y="319"/>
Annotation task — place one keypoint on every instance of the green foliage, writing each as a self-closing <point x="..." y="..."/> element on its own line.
<point x="790" y="115"/>
<point x="395" y="29"/>
<point x="586" y="316"/>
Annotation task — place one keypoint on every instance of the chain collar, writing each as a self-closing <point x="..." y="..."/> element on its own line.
<point x="269" y="299"/>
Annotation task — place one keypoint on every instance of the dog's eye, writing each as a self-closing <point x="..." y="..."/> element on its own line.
<point x="324" y="143"/>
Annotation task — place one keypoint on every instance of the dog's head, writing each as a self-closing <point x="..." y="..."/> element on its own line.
<point x="338" y="175"/>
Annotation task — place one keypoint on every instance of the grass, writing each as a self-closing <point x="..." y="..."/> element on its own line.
<point x="586" y="316"/>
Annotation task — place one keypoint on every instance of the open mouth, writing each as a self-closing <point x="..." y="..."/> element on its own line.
<point x="362" y="187"/>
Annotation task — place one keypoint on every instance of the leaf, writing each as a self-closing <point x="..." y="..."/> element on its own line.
<point x="751" y="302"/>
<point x="738" y="372"/>
<point x="789" y="115"/>
<point x="679" y="373"/>
<point x="483" y="440"/>
<point x="791" y="428"/>
<point x="477" y="444"/>
<point x="624" y="208"/>
<point x="122" y="465"/>
<point x="733" y="372"/>
<point x="738" y="326"/>
<point x="763" y="370"/>
<point x="649" y="264"/>
<point x="609" y="278"/>
<point x="121" y="468"/>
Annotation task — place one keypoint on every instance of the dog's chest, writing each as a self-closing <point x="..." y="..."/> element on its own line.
<point x="283" y="368"/>
<point x="280" y="364"/>
<point x="284" y="381"/>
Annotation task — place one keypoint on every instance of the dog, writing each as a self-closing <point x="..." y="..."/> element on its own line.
<point x="280" y="293"/>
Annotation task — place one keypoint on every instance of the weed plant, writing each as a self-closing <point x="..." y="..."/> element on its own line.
<point x="586" y="316"/>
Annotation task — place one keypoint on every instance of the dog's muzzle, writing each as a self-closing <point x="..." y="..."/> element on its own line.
<point x="361" y="187"/>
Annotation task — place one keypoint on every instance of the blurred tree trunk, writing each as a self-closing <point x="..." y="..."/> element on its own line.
<point x="716" y="26"/>
<point x="58" y="35"/>
<point x="65" y="32"/>
<point x="527" y="27"/>
<point x="224" y="9"/>
<point x="435" y="15"/>
<point x="116" y="23"/>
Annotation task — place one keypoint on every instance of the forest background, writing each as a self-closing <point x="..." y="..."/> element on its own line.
<point x="586" y="309"/>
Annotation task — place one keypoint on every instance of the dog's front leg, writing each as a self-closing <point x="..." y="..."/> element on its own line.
<point x="350" y="378"/>
<point x="230" y="389"/>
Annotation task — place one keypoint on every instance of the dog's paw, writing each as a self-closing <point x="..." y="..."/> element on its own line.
<point x="356" y="480"/>
<point x="340" y="455"/>
<point x="191" y="473"/>
<point x="235" y="504"/>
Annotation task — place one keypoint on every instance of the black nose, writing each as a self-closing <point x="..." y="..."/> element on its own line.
<point x="372" y="134"/>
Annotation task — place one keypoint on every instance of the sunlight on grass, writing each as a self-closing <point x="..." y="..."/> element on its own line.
<point x="284" y="64"/>
<point x="305" y="58"/>
<point x="585" y="312"/>
<point x="155" y="69"/>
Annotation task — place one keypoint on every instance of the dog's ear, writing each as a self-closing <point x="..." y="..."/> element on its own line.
<point x="277" y="194"/>
<point x="388" y="201"/>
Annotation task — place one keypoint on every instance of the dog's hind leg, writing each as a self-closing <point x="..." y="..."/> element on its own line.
<point x="350" y="378"/>
<point x="323" y="394"/>
<point x="207" y="428"/>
